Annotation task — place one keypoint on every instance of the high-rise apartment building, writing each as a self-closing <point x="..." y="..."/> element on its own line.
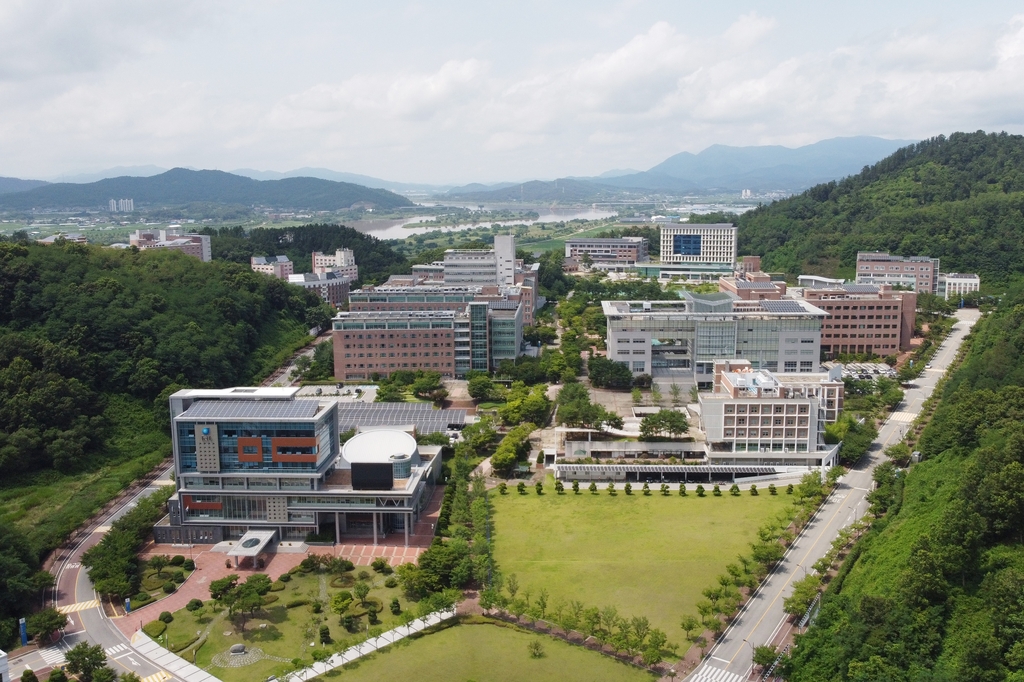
<point x="917" y="273"/>
<point x="121" y="205"/>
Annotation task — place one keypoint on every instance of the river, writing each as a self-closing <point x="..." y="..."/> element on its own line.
<point x="395" y="229"/>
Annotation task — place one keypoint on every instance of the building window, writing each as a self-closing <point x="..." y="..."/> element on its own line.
<point x="639" y="366"/>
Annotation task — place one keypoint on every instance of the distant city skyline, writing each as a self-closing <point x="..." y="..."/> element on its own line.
<point x="456" y="92"/>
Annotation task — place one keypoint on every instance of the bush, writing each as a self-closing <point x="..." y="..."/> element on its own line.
<point x="753" y="489"/>
<point x="325" y="634"/>
<point x="363" y="575"/>
<point x="194" y="605"/>
<point x="789" y="489"/>
<point x="716" y="491"/>
<point x="270" y="599"/>
<point x="178" y="576"/>
<point x="346" y="565"/>
<point x="396" y="608"/>
<point x="189" y="565"/>
<point x="343" y="580"/>
<point x="391" y="582"/>
<point x="628" y="488"/>
<point x="734" y="490"/>
<point x="700" y="490"/>
<point x="276" y="586"/>
<point x="381" y="565"/>
<point x="295" y="603"/>
<point x="166" y="617"/>
<point x="152" y="582"/>
<point x="169" y="587"/>
<point x="141" y="599"/>
<point x="285" y="578"/>
<point x="177" y="560"/>
<point x="154" y="628"/>
<point x="772" y="490"/>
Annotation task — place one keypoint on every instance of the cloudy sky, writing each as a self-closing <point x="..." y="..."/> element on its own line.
<point x="485" y="91"/>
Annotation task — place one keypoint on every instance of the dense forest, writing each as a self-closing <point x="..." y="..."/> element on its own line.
<point x="91" y="342"/>
<point x="935" y="591"/>
<point x="376" y="259"/>
<point x="180" y="186"/>
<point x="959" y="198"/>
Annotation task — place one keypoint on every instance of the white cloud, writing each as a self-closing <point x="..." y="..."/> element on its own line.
<point x="76" y="91"/>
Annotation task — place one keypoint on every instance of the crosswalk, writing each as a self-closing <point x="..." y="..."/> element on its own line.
<point x="707" y="673"/>
<point x="53" y="656"/>
<point x="902" y="417"/>
<point x="114" y="650"/>
<point x="79" y="606"/>
<point x="156" y="677"/>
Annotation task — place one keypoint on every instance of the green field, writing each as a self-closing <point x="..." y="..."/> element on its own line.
<point x="486" y="653"/>
<point x="646" y="556"/>
<point x="556" y="244"/>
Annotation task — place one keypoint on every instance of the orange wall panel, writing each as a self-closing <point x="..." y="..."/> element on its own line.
<point x="250" y="442"/>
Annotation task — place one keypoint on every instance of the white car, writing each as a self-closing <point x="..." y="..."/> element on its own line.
<point x="928" y="366"/>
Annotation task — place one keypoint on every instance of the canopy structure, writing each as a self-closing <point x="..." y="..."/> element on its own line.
<point x="252" y="544"/>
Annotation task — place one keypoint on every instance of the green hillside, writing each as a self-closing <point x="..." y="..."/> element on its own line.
<point x="180" y="186"/>
<point x="936" y="590"/>
<point x="92" y="340"/>
<point x="959" y="198"/>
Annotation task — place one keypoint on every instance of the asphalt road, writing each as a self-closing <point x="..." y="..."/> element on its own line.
<point x="89" y="623"/>
<point x="762" y="619"/>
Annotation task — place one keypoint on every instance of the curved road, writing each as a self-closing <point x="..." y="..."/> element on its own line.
<point x="762" y="620"/>
<point x="75" y="595"/>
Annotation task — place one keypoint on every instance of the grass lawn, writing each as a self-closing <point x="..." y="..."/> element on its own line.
<point x="647" y="556"/>
<point x="486" y="653"/>
<point x="279" y="631"/>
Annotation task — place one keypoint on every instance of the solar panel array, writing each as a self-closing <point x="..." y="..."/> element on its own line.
<point x="422" y="415"/>
<point x="252" y="409"/>
<point x="783" y="307"/>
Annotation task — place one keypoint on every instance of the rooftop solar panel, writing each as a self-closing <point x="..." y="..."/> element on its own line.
<point x="782" y="307"/>
<point x="421" y="415"/>
<point x="252" y="409"/>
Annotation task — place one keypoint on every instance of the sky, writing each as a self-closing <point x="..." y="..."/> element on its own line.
<point x="451" y="92"/>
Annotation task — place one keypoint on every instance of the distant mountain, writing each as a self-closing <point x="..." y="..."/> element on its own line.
<point x="474" y="187"/>
<point x="564" y="189"/>
<point x="115" y="172"/>
<point x="8" y="185"/>
<point x="181" y="186"/>
<point x="618" y="172"/>
<point x="761" y="168"/>
<point x="337" y="176"/>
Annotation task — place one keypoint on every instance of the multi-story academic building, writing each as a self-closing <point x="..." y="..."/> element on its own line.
<point x="956" y="284"/>
<point x="618" y="251"/>
<point x="342" y="262"/>
<point x="763" y="418"/>
<point x="275" y="266"/>
<point x="329" y="285"/>
<point x="264" y="463"/>
<point x="864" y="318"/>
<point x="690" y="334"/>
<point x="918" y="273"/>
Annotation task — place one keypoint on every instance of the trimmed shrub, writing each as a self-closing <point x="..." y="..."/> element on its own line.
<point x="285" y="578"/>
<point x="169" y="587"/>
<point x="295" y="603"/>
<point x="154" y="628"/>
<point x="346" y="565"/>
<point x="152" y="582"/>
<point x="177" y="560"/>
<point x="363" y="575"/>
<point x="178" y="576"/>
<point x="141" y="599"/>
<point x="381" y="565"/>
<point x="276" y="586"/>
<point x="194" y="605"/>
<point x="343" y="580"/>
<point x="166" y="617"/>
<point x="270" y="599"/>
<point x="391" y="582"/>
<point x="325" y="634"/>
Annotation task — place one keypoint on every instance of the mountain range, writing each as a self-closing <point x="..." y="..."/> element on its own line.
<point x="180" y="186"/>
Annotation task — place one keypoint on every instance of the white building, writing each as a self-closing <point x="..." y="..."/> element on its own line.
<point x="918" y="273"/>
<point x="275" y="266"/>
<point x="342" y="262"/>
<point x="956" y="284"/>
<point x="759" y="417"/>
<point x="688" y="335"/>
<point x="121" y="205"/>
<point x="713" y="243"/>
<point x="505" y="259"/>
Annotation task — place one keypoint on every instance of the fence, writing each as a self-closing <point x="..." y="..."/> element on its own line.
<point x="371" y="645"/>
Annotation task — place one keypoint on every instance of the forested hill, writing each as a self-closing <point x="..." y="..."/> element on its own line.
<point x="180" y="186"/>
<point x="935" y="591"/>
<point x="959" y="198"/>
<point x="376" y="259"/>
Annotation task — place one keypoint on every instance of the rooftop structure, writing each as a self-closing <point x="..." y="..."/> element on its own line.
<point x="261" y="460"/>
<point x="421" y="416"/>
<point x="275" y="266"/>
<point x="752" y="285"/>
<point x="71" y="237"/>
<point x="195" y="245"/>
<point x="688" y="335"/>
<point x="917" y="273"/>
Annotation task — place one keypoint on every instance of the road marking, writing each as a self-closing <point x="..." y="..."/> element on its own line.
<point x="133" y="661"/>
<point x="708" y="673"/>
<point x="80" y="606"/>
<point x="53" y="656"/>
<point x="156" y="677"/>
<point x="101" y="529"/>
<point x="116" y="649"/>
<point x="902" y="417"/>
